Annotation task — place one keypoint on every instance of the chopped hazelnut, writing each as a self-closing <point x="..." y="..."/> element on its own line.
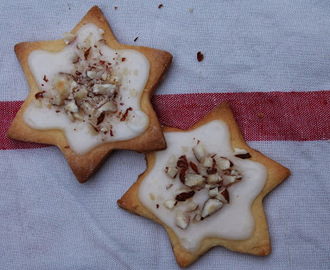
<point x="228" y="179"/>
<point x="171" y="161"/>
<point x="71" y="107"/>
<point x="199" y="152"/>
<point x="68" y="37"/>
<point x="181" y="220"/>
<point x="213" y="192"/>
<point x="207" y="162"/>
<point x="114" y="79"/>
<point x="81" y="93"/>
<point x="170" y="204"/>
<point x="191" y="206"/>
<point x="87" y="108"/>
<point x="78" y="116"/>
<point x="183" y="196"/>
<point x="210" y="207"/>
<point x="104" y="76"/>
<point x="224" y="163"/>
<point x="213" y="178"/>
<point x="109" y="106"/>
<point x="171" y="171"/>
<point x="91" y="74"/>
<point x="223" y="195"/>
<point x="241" y="153"/>
<point x="75" y="58"/>
<point x="92" y="130"/>
<point x="105" y="89"/>
<point x="193" y="179"/>
<point x="198" y="216"/>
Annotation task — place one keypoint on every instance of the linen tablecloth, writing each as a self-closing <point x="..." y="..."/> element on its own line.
<point x="268" y="59"/>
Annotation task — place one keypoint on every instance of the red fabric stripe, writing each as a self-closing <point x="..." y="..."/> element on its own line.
<point x="8" y="110"/>
<point x="293" y="116"/>
<point x="262" y="116"/>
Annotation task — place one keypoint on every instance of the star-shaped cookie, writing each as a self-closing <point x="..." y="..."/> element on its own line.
<point x="89" y="95"/>
<point x="206" y="189"/>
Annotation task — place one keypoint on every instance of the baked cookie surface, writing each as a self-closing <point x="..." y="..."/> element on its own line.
<point x="206" y="189"/>
<point x="90" y="95"/>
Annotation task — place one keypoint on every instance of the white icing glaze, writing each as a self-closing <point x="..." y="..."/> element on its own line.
<point x="133" y="71"/>
<point x="234" y="221"/>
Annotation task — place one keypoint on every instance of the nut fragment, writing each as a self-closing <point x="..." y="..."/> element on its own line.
<point x="243" y="156"/>
<point x="182" y="162"/>
<point x="71" y="107"/>
<point x="171" y="161"/>
<point x="184" y="196"/>
<point x="171" y="171"/>
<point x="193" y="179"/>
<point x="92" y="130"/>
<point x="194" y="167"/>
<point x="91" y="74"/>
<point x="207" y="162"/>
<point x="198" y="216"/>
<point x="87" y="108"/>
<point x="81" y="93"/>
<point x="88" y="93"/>
<point x="213" y="178"/>
<point x="170" y="204"/>
<point x="210" y="207"/>
<point x="211" y="172"/>
<point x="199" y="152"/>
<point x="224" y="163"/>
<point x="75" y="58"/>
<point x="191" y="206"/>
<point x="109" y="106"/>
<point x="223" y="195"/>
<point x="115" y="79"/>
<point x="228" y="179"/>
<point x="183" y="165"/>
<point x="220" y="194"/>
<point x="68" y="37"/>
<point x="241" y="153"/>
<point x="182" y="220"/>
<point x="213" y="192"/>
<point x="104" y="89"/>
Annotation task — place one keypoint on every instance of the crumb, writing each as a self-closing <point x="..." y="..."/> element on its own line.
<point x="191" y="10"/>
<point x="116" y="7"/>
<point x="136" y="39"/>
<point x="200" y="56"/>
<point x="160" y="6"/>
<point x="260" y="115"/>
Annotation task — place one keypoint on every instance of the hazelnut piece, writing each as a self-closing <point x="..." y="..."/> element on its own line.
<point x="210" y="207"/>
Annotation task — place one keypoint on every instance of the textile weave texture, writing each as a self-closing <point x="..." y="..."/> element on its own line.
<point x="268" y="59"/>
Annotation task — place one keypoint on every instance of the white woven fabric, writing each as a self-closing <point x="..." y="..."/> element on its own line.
<point x="50" y="221"/>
